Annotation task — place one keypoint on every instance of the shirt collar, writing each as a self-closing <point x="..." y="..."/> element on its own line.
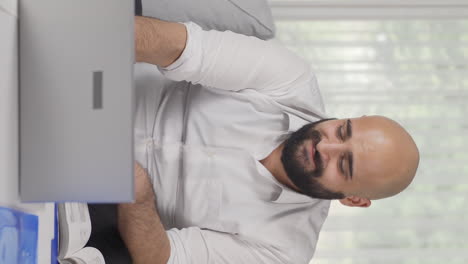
<point x="295" y="122"/>
<point x="289" y="196"/>
<point x="285" y="194"/>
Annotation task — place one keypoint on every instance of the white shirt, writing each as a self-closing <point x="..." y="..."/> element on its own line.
<point x="201" y="140"/>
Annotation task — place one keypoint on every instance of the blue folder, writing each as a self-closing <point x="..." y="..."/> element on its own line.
<point x="18" y="237"/>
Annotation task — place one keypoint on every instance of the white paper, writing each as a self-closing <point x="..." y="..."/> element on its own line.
<point x="75" y="228"/>
<point x="87" y="255"/>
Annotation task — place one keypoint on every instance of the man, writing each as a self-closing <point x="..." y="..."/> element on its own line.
<point x="237" y="156"/>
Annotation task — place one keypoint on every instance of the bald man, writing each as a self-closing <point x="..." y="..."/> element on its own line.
<point x="238" y="160"/>
<point x="355" y="160"/>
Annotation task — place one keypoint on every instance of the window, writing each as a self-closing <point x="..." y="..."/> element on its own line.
<point x="416" y="72"/>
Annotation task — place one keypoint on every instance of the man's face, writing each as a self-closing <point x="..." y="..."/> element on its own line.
<point x="331" y="159"/>
<point x="303" y="164"/>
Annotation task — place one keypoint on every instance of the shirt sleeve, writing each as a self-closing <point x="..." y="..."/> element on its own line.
<point x="234" y="62"/>
<point x="196" y="246"/>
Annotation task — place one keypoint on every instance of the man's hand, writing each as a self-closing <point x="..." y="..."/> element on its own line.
<point x="158" y="42"/>
<point x="140" y="226"/>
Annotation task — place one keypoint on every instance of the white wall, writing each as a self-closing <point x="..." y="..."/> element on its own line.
<point x="8" y="103"/>
<point x="367" y="9"/>
<point x="9" y="6"/>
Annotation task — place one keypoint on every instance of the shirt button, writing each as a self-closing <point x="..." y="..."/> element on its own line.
<point x="149" y="142"/>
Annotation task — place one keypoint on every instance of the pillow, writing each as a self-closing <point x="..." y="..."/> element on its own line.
<point x="248" y="17"/>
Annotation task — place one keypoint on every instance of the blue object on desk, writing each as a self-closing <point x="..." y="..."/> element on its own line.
<point x="18" y="237"/>
<point x="54" y="243"/>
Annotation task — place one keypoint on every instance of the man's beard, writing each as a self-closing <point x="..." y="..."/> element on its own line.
<point x="304" y="179"/>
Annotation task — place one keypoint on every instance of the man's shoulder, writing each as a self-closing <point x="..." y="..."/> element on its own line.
<point x="294" y="227"/>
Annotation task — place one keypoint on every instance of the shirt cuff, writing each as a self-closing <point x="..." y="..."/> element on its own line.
<point x="193" y="30"/>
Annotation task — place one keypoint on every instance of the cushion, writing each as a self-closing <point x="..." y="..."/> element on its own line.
<point x="248" y="17"/>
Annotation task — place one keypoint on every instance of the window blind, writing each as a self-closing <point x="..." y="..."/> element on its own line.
<point x="416" y="72"/>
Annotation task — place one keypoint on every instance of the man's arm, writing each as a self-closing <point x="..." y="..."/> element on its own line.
<point x="148" y="243"/>
<point x="158" y="42"/>
<point x="224" y="60"/>
<point x="140" y="226"/>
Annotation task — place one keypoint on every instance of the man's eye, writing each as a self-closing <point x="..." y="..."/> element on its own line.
<point x="342" y="160"/>
<point x="341" y="132"/>
<point x="341" y="165"/>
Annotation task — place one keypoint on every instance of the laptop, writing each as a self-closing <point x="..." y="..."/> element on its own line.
<point x="76" y="100"/>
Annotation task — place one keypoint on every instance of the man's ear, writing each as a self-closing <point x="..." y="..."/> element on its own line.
<point x="355" y="201"/>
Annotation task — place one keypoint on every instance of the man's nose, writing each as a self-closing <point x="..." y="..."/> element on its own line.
<point x="328" y="150"/>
